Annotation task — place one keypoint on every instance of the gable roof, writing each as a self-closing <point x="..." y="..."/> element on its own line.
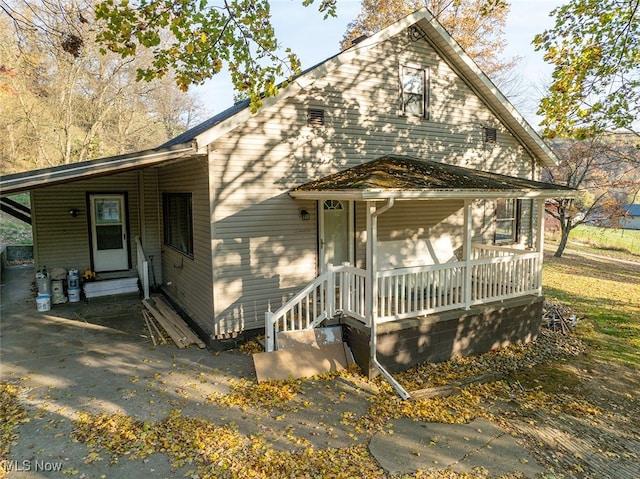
<point x="403" y="177"/>
<point x="427" y="28"/>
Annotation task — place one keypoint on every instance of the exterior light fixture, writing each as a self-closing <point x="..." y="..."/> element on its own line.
<point x="305" y="215"/>
<point x="74" y="212"/>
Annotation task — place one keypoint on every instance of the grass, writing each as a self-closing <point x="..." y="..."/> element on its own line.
<point x="607" y="295"/>
<point x="12" y="230"/>
<point x="603" y="239"/>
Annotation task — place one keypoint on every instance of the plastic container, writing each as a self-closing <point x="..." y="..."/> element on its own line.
<point x="74" y="295"/>
<point x="43" y="281"/>
<point x="43" y="302"/>
<point x="73" y="280"/>
<point x="57" y="288"/>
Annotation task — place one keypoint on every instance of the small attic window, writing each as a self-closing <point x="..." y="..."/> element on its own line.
<point x="315" y="117"/>
<point x="490" y="135"/>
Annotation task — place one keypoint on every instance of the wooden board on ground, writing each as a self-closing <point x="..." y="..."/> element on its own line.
<point x="301" y="362"/>
<point x="173" y="324"/>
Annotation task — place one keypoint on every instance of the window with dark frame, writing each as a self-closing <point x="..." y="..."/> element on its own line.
<point x="507" y="221"/>
<point x="178" y="222"/>
<point x="415" y="97"/>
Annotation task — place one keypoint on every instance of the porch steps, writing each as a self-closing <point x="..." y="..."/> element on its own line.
<point x="171" y="322"/>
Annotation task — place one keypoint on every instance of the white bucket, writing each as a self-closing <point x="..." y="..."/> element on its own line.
<point x="43" y="302"/>
<point x="74" y="295"/>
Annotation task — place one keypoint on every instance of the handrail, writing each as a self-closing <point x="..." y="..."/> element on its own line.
<point x="406" y="292"/>
<point x="337" y="288"/>
<point x="142" y="266"/>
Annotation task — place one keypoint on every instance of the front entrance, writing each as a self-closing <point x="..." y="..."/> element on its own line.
<point x="336" y="233"/>
<point x="109" y="244"/>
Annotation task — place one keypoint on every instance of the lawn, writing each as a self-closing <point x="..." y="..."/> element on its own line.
<point x="12" y="230"/>
<point x="606" y="294"/>
<point x="603" y="239"/>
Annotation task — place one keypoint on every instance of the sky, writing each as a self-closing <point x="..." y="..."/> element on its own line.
<point x="314" y="40"/>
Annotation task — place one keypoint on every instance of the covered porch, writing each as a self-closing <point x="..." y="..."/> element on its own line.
<point x="441" y="280"/>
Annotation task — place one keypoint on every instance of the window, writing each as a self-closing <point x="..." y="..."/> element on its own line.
<point x="507" y="221"/>
<point x="178" y="222"/>
<point x="414" y="91"/>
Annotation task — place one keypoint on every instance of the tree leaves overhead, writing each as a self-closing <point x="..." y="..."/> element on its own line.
<point x="197" y="38"/>
<point x="475" y="24"/>
<point x="595" y="49"/>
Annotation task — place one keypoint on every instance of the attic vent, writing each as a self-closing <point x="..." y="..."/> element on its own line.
<point x="490" y="135"/>
<point x="315" y="117"/>
<point x="359" y="39"/>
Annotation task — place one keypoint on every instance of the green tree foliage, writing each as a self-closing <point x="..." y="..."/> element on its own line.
<point x="595" y="50"/>
<point x="197" y="38"/>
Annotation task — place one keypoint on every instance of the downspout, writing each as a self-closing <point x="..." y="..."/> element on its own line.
<point x="372" y="228"/>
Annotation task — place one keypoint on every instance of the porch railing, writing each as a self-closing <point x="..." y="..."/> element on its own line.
<point x="338" y="288"/>
<point x="416" y="291"/>
<point x="492" y="275"/>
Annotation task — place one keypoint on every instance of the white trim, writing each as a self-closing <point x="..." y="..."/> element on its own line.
<point x="373" y="195"/>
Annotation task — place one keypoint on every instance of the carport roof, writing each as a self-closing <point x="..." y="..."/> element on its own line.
<point x="33" y="179"/>
<point x="402" y="177"/>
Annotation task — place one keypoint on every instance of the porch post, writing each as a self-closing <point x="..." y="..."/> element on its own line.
<point x="371" y="285"/>
<point x="540" y="240"/>
<point x="467" y="250"/>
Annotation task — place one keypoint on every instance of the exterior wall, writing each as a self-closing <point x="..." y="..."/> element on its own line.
<point x="632" y="223"/>
<point x="403" y="344"/>
<point x="188" y="281"/>
<point x="61" y="241"/>
<point x="263" y="251"/>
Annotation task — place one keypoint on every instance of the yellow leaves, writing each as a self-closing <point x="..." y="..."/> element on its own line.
<point x="12" y="414"/>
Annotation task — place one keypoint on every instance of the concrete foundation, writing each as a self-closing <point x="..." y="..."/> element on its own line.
<point x="439" y="337"/>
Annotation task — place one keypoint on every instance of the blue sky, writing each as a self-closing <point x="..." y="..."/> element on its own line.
<point x="314" y="40"/>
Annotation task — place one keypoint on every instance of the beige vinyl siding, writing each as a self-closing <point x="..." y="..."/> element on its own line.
<point x="189" y="280"/>
<point x="418" y="220"/>
<point x="150" y="228"/>
<point x="263" y="252"/>
<point x="63" y="241"/>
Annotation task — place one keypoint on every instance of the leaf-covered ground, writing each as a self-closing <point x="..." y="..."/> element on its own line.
<point x="573" y="400"/>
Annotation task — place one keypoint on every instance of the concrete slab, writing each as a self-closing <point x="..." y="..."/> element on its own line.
<point x="418" y="445"/>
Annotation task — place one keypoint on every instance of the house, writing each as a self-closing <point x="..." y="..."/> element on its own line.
<point x="630" y="217"/>
<point x="392" y="186"/>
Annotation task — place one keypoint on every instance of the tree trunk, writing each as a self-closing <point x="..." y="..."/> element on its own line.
<point x="564" y="237"/>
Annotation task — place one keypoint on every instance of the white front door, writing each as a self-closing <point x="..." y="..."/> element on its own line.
<point x="336" y="233"/>
<point x="109" y="232"/>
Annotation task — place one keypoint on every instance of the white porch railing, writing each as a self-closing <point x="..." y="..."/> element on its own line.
<point x="416" y="291"/>
<point x="338" y="288"/>
<point x="504" y="277"/>
<point x="492" y="275"/>
<point x="142" y="267"/>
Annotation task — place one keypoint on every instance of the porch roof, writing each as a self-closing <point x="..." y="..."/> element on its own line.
<point x="402" y="177"/>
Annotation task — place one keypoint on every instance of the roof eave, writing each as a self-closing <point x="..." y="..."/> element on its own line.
<point x="375" y="194"/>
<point x="29" y="180"/>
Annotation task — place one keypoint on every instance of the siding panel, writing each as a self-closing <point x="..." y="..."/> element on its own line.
<point x="263" y="251"/>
